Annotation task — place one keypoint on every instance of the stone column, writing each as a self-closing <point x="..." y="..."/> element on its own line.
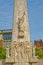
<point x="7" y="52"/>
<point x="34" y="52"/>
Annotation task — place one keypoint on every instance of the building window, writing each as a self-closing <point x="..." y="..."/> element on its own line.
<point x="7" y="36"/>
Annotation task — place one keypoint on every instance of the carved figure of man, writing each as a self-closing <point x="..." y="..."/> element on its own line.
<point x="20" y="22"/>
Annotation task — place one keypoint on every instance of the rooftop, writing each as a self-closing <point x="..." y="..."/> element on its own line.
<point x="6" y="31"/>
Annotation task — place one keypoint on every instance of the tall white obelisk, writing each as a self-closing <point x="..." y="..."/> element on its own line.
<point x="20" y="23"/>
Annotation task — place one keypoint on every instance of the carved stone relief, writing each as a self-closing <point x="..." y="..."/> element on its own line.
<point x="20" y="26"/>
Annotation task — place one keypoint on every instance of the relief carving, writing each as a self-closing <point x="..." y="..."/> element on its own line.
<point x="20" y="26"/>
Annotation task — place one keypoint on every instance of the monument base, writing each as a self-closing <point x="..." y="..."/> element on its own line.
<point x="21" y="54"/>
<point x="9" y="61"/>
<point x="31" y="61"/>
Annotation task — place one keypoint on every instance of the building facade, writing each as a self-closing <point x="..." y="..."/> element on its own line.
<point x="39" y="44"/>
<point x="5" y="37"/>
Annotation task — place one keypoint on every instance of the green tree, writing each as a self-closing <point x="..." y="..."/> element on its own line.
<point x="2" y="53"/>
<point x="38" y="53"/>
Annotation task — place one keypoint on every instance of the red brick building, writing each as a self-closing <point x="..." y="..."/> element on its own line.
<point x="1" y="43"/>
<point x="39" y="44"/>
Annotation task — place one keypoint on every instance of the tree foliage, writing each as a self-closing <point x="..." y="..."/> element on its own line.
<point x="2" y="53"/>
<point x="38" y="53"/>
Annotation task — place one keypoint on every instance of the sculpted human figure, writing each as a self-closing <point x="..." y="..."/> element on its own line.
<point x="20" y="22"/>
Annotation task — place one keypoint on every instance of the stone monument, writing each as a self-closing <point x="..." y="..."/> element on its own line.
<point x="21" y="48"/>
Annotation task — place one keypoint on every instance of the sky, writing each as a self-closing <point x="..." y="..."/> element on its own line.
<point x="35" y="16"/>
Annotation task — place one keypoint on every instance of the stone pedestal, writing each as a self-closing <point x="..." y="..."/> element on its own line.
<point x="21" y="54"/>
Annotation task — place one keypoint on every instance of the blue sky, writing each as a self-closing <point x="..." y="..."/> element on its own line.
<point x="35" y="13"/>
